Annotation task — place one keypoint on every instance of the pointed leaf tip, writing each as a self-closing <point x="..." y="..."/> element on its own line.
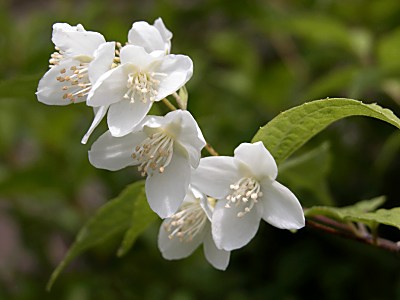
<point x="291" y="129"/>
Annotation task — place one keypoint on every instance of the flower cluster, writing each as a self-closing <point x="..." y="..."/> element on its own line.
<point x="218" y="201"/>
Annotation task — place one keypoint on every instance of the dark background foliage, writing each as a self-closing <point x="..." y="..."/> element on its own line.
<point x="253" y="59"/>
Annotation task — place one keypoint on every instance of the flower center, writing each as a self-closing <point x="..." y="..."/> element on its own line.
<point x="187" y="222"/>
<point x="245" y="193"/>
<point x="142" y="85"/>
<point x="154" y="153"/>
<point x="76" y="81"/>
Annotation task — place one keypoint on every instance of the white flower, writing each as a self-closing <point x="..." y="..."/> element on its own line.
<point x="131" y="88"/>
<point x="166" y="148"/>
<point x="151" y="37"/>
<point x="81" y="57"/>
<point x="189" y="227"/>
<point x="248" y="192"/>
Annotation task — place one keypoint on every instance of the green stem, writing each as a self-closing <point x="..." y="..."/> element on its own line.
<point x="179" y="101"/>
<point x="169" y="104"/>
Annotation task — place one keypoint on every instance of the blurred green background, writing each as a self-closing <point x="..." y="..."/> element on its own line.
<point x="253" y="59"/>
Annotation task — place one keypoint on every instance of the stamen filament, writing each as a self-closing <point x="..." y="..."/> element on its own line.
<point x="245" y="192"/>
<point x="187" y="222"/>
<point x="142" y="85"/>
<point x="76" y="81"/>
<point x="154" y="153"/>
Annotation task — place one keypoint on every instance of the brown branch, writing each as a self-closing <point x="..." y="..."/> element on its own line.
<point x="330" y="226"/>
<point x="332" y="223"/>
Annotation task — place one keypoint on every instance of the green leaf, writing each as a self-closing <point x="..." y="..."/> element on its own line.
<point x="291" y="129"/>
<point x="359" y="212"/>
<point x="308" y="173"/>
<point x="389" y="217"/>
<point x="111" y="219"/>
<point x="341" y="213"/>
<point x="363" y="212"/>
<point x="142" y="217"/>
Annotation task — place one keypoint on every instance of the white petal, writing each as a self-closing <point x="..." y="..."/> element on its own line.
<point x="154" y="122"/>
<point x="165" y="191"/>
<point x="174" y="248"/>
<point x="124" y="116"/>
<point x="280" y="206"/>
<point x="214" y="176"/>
<point x="50" y="90"/>
<point x="204" y="203"/>
<point x="75" y="41"/>
<point x="99" y="113"/>
<point x="183" y="127"/>
<point x="165" y="33"/>
<point x="230" y="231"/>
<point x="103" y="59"/>
<point x="218" y="258"/>
<point x="194" y="195"/>
<point x="110" y="87"/>
<point x="114" y="153"/>
<point x="258" y="159"/>
<point x="147" y="36"/>
<point x="176" y="70"/>
<point x="137" y="56"/>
